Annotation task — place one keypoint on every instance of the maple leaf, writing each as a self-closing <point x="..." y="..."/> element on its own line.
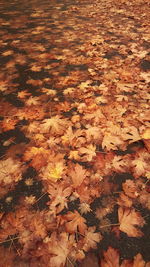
<point x="53" y="142"/>
<point x="131" y="134"/>
<point x="10" y="171"/>
<point x="145" y="76"/>
<point x="36" y="68"/>
<point x="55" y="125"/>
<point x="124" y="200"/>
<point x="38" y="227"/>
<point x="30" y="200"/>
<point x="127" y="87"/>
<point x="111" y="141"/>
<point x="145" y="199"/>
<point x="120" y="98"/>
<point x="97" y="116"/>
<point x="92" y="133"/>
<point x="58" y="248"/>
<point x="33" y="151"/>
<point x="111" y="258"/>
<point x="32" y="101"/>
<point x="139" y="262"/>
<point x="49" y="91"/>
<point x="84" y="208"/>
<point x="88" y="152"/>
<point x="38" y="156"/>
<point x="118" y="163"/>
<point x="39" y="161"/>
<point x="64" y="106"/>
<point x="76" y="223"/>
<point x="60" y="255"/>
<point x="33" y="127"/>
<point x="101" y="99"/>
<point x="75" y="118"/>
<point x="53" y="171"/>
<point x="7" y="53"/>
<point x="70" y="137"/>
<point x="91" y="239"/>
<point x="3" y="86"/>
<point x="129" y="219"/>
<point x="34" y="112"/>
<point x="130" y="189"/>
<point x="39" y="138"/>
<point x="69" y="91"/>
<point x="9" y="124"/>
<point x="23" y="94"/>
<point x="78" y="174"/>
<point x="127" y="263"/>
<point x="59" y="196"/>
<point x="139" y="166"/>
<point x="99" y="161"/>
<point x="81" y="107"/>
<point x="84" y="85"/>
<point x="74" y="155"/>
<point x="34" y="82"/>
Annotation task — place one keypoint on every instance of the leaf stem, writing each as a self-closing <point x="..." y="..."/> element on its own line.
<point x="107" y="225"/>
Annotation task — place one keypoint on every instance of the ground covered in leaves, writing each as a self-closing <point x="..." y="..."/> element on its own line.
<point x="75" y="133"/>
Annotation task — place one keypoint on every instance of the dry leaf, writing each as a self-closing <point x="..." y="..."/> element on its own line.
<point x="129" y="219"/>
<point x="78" y="174"/>
<point x="111" y="258"/>
<point x="76" y="223"/>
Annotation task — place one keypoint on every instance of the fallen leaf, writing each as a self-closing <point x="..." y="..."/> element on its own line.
<point x="76" y="223"/>
<point x="129" y="219"/>
<point x="78" y="174"/>
<point x="111" y="258"/>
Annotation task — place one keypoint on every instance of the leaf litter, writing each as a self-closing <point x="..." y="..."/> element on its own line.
<point x="75" y="133"/>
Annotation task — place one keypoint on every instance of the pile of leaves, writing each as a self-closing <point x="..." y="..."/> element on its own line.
<point x="75" y="133"/>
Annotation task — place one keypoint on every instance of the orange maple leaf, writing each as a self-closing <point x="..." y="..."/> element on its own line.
<point x="78" y="174"/>
<point x="124" y="200"/>
<point x="9" y="124"/>
<point x="130" y="189"/>
<point x="55" y="125"/>
<point x="38" y="156"/>
<point x="139" y="262"/>
<point x="128" y="220"/>
<point x="139" y="166"/>
<point x="111" y="258"/>
<point x="75" y="222"/>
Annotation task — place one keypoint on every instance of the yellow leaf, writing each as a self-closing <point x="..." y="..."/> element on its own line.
<point x="146" y="134"/>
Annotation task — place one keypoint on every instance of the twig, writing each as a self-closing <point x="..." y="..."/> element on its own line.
<point x="70" y="261"/>
<point x="107" y="225"/>
<point x="8" y="240"/>
<point x="12" y="243"/>
<point x="40" y="198"/>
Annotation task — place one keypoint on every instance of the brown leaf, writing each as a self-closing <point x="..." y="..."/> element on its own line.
<point x="128" y="220"/>
<point x="76" y="223"/>
<point x="77" y="175"/>
<point x="130" y="189"/>
<point x="124" y="200"/>
<point x="138" y="261"/>
<point x="111" y="258"/>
